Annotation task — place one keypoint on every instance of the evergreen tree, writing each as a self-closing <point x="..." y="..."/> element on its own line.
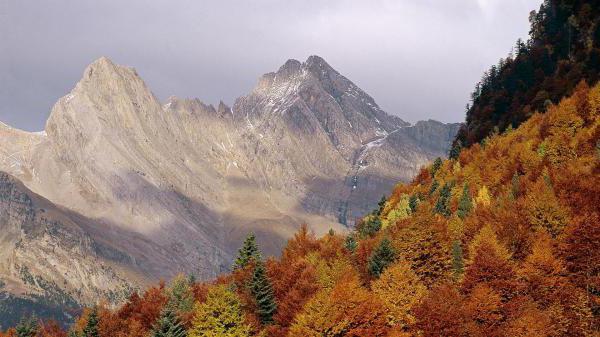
<point x="381" y="205"/>
<point x="434" y="186"/>
<point x="455" y="150"/>
<point x="382" y="257"/>
<point x="465" y="204"/>
<point x="181" y="296"/>
<point x="441" y="206"/>
<point x="457" y="259"/>
<point x="91" y="328"/>
<point x="370" y="227"/>
<point x="248" y="252"/>
<point x="261" y="289"/>
<point x="413" y="201"/>
<point x="437" y="164"/>
<point x="350" y="244"/>
<point x="27" y="328"/>
<point x="168" y="325"/>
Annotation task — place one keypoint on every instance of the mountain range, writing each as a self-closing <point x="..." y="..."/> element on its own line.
<point x="121" y="190"/>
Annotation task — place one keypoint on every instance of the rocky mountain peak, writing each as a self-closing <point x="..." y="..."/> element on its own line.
<point x="291" y="66"/>
<point x="305" y="146"/>
<point x="317" y="64"/>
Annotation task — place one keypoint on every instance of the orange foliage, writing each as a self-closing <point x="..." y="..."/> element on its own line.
<point x="346" y="310"/>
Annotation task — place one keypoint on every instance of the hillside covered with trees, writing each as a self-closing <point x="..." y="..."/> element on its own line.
<point x="563" y="49"/>
<point x="500" y="241"/>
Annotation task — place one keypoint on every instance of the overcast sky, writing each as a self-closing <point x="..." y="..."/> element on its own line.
<point x="419" y="59"/>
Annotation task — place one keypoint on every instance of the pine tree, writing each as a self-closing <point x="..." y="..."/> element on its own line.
<point x="441" y="206"/>
<point x="382" y="257"/>
<point x="248" y="252"/>
<point x="465" y="204"/>
<point x="350" y="244"/>
<point x="434" y="186"/>
<point x="168" y="325"/>
<point x="181" y="296"/>
<point x="27" y="328"/>
<point x="413" y="202"/>
<point x="261" y="289"/>
<point x="457" y="259"/>
<point x="370" y="227"/>
<point x="91" y="328"/>
<point x="456" y="148"/>
<point x="381" y="205"/>
<point x="437" y="164"/>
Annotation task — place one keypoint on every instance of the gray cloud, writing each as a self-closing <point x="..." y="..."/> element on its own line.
<point x="417" y="58"/>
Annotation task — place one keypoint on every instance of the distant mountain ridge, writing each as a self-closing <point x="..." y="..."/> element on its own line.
<point x="174" y="187"/>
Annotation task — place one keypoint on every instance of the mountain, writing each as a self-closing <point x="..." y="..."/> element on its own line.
<point x="500" y="241"/>
<point x="563" y="49"/>
<point x="158" y="189"/>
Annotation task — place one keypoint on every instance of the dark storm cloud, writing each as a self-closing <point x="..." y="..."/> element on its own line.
<point x="417" y="58"/>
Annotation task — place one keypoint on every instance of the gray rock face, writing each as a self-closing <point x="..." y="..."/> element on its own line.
<point x="156" y="189"/>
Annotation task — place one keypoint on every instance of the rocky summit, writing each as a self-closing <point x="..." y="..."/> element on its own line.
<point x="121" y="189"/>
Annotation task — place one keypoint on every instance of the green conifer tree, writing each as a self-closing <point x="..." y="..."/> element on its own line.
<point x="455" y="150"/>
<point x="261" y="289"/>
<point x="248" y="252"/>
<point x="382" y="257"/>
<point x="465" y="204"/>
<point x="350" y="243"/>
<point x="27" y="327"/>
<point x="434" y="186"/>
<point x="91" y="328"/>
<point x="457" y="259"/>
<point x="437" y="164"/>
<point x="168" y="325"/>
<point x="381" y="205"/>
<point x="181" y="295"/>
<point x="441" y="206"/>
<point x="413" y="202"/>
<point x="370" y="227"/>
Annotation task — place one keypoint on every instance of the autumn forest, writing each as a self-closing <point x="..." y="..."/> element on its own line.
<point x="500" y="239"/>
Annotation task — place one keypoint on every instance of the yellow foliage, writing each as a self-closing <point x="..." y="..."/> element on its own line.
<point x="219" y="316"/>
<point x="329" y="273"/>
<point x="455" y="227"/>
<point x="400" y="289"/>
<point x="487" y="237"/>
<point x="483" y="197"/>
<point x="594" y="101"/>
<point x="544" y="210"/>
<point x="399" y="212"/>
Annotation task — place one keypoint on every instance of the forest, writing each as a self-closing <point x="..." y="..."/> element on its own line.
<point x="500" y="239"/>
<point x="563" y="49"/>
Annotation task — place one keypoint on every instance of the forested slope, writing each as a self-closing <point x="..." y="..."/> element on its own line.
<point x="563" y="48"/>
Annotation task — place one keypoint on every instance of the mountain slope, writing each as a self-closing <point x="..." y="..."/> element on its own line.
<point x="500" y="241"/>
<point x="563" y="49"/>
<point x="190" y="180"/>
